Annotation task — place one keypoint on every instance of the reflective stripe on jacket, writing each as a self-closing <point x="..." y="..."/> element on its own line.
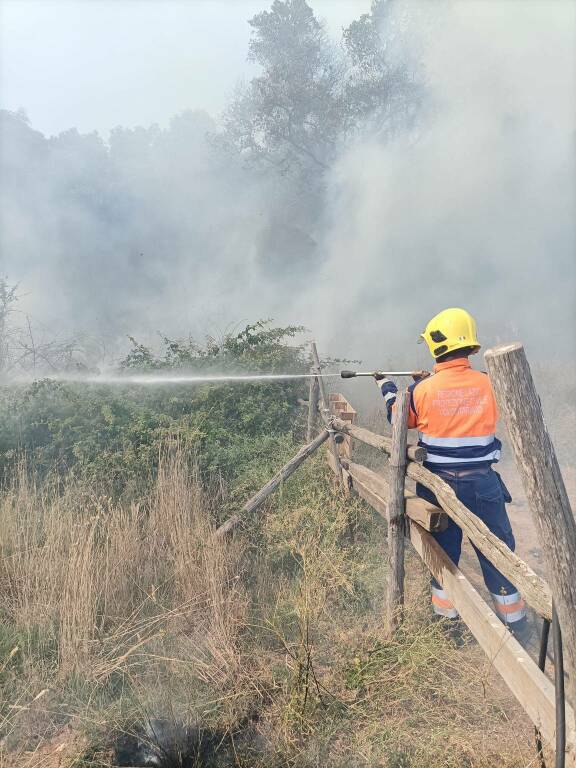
<point x="455" y="413"/>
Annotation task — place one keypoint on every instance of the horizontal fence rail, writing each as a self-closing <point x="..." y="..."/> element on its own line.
<point x="373" y="488"/>
<point x="414" y="452"/>
<point x="288" y="469"/>
<point x="533" y="587"/>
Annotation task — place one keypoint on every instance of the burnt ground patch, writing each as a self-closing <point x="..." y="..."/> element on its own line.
<point x="160" y="743"/>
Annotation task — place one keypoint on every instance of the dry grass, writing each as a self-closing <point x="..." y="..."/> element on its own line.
<point x="86" y="575"/>
<point x="94" y="593"/>
<point x="119" y="613"/>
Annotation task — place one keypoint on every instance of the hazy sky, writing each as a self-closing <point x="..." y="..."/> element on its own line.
<point x="95" y="64"/>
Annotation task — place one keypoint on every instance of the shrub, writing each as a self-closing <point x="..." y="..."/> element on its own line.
<point x="112" y="436"/>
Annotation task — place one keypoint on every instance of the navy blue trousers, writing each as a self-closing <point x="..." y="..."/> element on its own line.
<point x="485" y="494"/>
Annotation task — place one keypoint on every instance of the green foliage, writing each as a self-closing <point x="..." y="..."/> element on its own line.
<point x="113" y="436"/>
<point x="256" y="349"/>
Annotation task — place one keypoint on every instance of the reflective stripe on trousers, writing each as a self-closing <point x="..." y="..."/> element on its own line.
<point x="442" y="604"/>
<point x="510" y="608"/>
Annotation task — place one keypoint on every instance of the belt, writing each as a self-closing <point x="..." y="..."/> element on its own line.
<point x="463" y="472"/>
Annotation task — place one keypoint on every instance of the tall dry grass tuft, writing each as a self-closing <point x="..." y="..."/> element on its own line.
<point x="201" y="572"/>
<point x="46" y="548"/>
<point x="95" y="589"/>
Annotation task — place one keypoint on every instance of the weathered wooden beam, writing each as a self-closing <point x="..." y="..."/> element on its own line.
<point x="428" y="516"/>
<point x="312" y="408"/>
<point x="414" y="452"/>
<point x="396" y="517"/>
<point x="530" y="686"/>
<point x="377" y="482"/>
<point x="288" y="469"/>
<point x="325" y="411"/>
<point x="534" y="589"/>
<point x="368" y="492"/>
<point x="374" y="489"/>
<point x="543" y="483"/>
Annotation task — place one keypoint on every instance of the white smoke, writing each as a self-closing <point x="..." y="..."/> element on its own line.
<point x="476" y="209"/>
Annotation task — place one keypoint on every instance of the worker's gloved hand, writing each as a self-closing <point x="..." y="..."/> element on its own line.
<point x="420" y="375"/>
<point x="379" y="377"/>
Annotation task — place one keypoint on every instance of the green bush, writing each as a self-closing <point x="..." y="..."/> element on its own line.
<point x="113" y="435"/>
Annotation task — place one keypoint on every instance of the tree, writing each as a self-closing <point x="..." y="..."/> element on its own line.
<point x="380" y="89"/>
<point x="300" y="111"/>
<point x="286" y="125"/>
<point x="293" y="114"/>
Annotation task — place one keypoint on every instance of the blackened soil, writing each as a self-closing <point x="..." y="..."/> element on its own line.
<point x="166" y="744"/>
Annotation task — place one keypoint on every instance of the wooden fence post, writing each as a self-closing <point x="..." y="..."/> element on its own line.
<point x="325" y="411"/>
<point x="396" y="518"/>
<point x="543" y="483"/>
<point x="312" y="408"/>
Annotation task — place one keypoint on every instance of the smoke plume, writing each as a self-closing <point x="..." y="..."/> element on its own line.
<point x="475" y="207"/>
<point x="472" y="206"/>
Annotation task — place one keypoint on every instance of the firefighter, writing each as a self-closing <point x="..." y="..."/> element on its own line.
<point x="454" y="410"/>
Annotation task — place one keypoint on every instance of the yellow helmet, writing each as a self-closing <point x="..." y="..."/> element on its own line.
<point x="450" y="330"/>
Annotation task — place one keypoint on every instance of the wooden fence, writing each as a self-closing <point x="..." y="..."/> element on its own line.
<point x="413" y="519"/>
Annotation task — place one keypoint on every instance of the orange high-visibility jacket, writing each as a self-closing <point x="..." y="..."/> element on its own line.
<point x="455" y="413"/>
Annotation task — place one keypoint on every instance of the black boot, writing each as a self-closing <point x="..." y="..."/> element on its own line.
<point x="523" y="631"/>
